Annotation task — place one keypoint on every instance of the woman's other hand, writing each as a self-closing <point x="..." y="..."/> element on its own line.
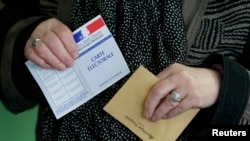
<point x="198" y="87"/>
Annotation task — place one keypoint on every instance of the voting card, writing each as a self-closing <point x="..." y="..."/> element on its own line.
<point x="99" y="65"/>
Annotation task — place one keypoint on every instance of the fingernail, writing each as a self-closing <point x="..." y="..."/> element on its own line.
<point x="70" y="64"/>
<point x="47" y="66"/>
<point x="75" y="55"/>
<point x="153" y="119"/>
<point x="61" y="67"/>
<point x="146" y="115"/>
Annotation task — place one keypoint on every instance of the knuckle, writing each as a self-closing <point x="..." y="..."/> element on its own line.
<point x="157" y="91"/>
<point x="160" y="111"/>
<point x="184" y="76"/>
<point x="180" y="109"/>
<point x="62" y="30"/>
<point x="167" y="103"/>
<point x="39" y="50"/>
<point x="28" y="53"/>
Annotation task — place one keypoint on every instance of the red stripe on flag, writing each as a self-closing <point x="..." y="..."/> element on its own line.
<point x="97" y="24"/>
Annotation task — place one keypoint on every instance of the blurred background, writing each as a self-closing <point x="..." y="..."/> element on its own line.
<point x="17" y="127"/>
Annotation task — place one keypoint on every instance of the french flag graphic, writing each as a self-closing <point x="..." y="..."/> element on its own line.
<point x="95" y="25"/>
<point x="78" y="36"/>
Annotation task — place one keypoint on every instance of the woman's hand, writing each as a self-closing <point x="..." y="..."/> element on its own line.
<point x="198" y="87"/>
<point x="56" y="47"/>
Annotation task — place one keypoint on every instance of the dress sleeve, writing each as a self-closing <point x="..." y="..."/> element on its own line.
<point x="19" y="91"/>
<point x="232" y="106"/>
<point x="246" y="114"/>
<point x="234" y="93"/>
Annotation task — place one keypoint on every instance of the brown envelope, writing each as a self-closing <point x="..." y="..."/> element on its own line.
<point x="127" y="107"/>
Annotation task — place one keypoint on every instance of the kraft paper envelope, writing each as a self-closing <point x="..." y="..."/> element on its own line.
<point x="127" y="107"/>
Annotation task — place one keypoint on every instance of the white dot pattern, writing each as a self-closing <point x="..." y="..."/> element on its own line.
<point x="148" y="32"/>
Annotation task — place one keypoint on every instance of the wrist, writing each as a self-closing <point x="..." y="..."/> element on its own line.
<point x="218" y="68"/>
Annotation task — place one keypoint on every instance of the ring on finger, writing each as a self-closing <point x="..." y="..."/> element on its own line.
<point x="175" y="97"/>
<point x="34" y="42"/>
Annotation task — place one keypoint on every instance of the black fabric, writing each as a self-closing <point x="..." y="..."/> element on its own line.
<point x="13" y="11"/>
<point x="23" y="81"/>
<point x="245" y="58"/>
<point x="20" y="73"/>
<point x="233" y="99"/>
<point x="234" y="93"/>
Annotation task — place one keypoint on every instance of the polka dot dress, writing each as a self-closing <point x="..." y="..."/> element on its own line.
<point x="148" y="32"/>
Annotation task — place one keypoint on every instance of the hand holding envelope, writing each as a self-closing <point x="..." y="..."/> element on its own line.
<point x="127" y="107"/>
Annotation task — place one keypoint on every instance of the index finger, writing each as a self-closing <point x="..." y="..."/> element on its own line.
<point x="66" y="37"/>
<point x="156" y="95"/>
